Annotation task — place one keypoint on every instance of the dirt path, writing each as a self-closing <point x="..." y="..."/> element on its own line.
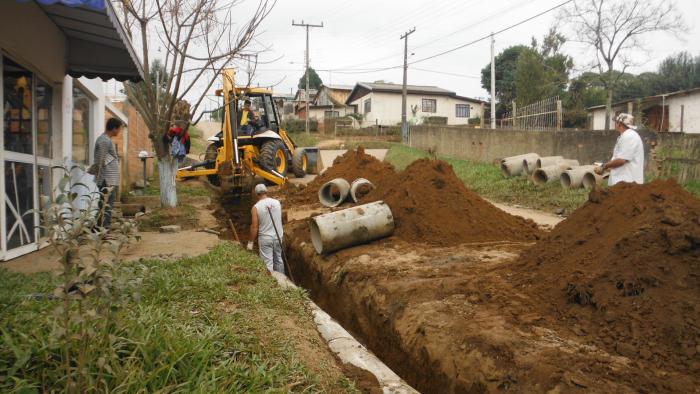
<point x="544" y="219"/>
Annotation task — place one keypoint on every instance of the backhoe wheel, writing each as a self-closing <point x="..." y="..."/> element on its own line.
<point x="300" y="163"/>
<point x="210" y="154"/>
<point x="273" y="157"/>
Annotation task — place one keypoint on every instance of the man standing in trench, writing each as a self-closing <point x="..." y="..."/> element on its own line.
<point x="627" y="163"/>
<point x="266" y="225"/>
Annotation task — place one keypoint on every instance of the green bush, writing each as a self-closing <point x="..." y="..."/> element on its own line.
<point x="297" y="125"/>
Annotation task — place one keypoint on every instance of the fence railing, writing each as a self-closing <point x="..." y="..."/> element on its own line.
<point x="542" y="115"/>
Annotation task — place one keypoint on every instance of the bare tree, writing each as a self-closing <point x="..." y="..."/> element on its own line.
<point x="184" y="45"/>
<point x="614" y="30"/>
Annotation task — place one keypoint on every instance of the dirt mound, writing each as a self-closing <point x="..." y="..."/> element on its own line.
<point x="352" y="165"/>
<point x="431" y="204"/>
<point x="624" y="271"/>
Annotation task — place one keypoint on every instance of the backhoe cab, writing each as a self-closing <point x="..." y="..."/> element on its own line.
<point x="246" y="152"/>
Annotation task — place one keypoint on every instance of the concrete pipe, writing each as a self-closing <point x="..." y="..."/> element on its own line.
<point x="530" y="165"/>
<point x="349" y="227"/>
<point x="334" y="192"/>
<point x="573" y="178"/>
<point x="513" y="166"/>
<point x="549" y="174"/>
<point x="547" y="161"/>
<point x="592" y="179"/>
<point x="360" y="187"/>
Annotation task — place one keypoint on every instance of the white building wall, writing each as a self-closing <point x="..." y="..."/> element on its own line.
<point x="386" y="109"/>
<point x="599" y="119"/>
<point x="691" y="112"/>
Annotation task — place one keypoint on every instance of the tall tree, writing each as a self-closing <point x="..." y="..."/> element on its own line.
<point x="506" y="63"/>
<point x="315" y="81"/>
<point x="194" y="41"/>
<point x="613" y="29"/>
<point x="542" y="72"/>
<point x="678" y="72"/>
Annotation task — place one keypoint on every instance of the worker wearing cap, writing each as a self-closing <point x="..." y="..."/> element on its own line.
<point x="266" y="226"/>
<point x="627" y="163"/>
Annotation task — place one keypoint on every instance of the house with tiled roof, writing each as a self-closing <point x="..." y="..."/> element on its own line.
<point x="379" y="103"/>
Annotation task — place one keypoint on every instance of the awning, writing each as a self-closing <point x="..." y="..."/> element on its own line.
<point x="97" y="43"/>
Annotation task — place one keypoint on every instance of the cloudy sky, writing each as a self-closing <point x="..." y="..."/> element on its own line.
<point x="361" y="36"/>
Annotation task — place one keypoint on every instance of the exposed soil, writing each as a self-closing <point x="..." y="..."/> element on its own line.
<point x="607" y="302"/>
<point x="624" y="272"/>
<point x="352" y="165"/>
<point x="432" y="205"/>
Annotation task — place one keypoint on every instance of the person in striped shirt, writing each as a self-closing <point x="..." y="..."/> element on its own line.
<point x="108" y="170"/>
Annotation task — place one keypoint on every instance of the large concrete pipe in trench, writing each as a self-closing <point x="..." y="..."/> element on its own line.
<point x="553" y="172"/>
<point x="349" y="227"/>
<point x="573" y="178"/>
<point x="334" y="193"/>
<point x="359" y="188"/>
<point x="592" y="179"/>
<point x="513" y="166"/>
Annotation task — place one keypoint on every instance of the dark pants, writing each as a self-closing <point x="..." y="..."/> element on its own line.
<point x="105" y="219"/>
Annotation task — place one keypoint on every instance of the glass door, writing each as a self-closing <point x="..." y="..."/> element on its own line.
<point x="18" y="188"/>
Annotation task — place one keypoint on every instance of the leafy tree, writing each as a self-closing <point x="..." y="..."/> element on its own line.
<point x="506" y="63"/>
<point x="678" y="72"/>
<point x="315" y="81"/>
<point x="542" y="72"/>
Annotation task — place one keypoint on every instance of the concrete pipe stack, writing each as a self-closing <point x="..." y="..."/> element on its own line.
<point x="515" y="165"/>
<point x="573" y="178"/>
<point x="550" y="170"/>
<point x="335" y="192"/>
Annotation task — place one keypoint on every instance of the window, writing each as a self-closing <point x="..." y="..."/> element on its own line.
<point x="429" y="105"/>
<point x="17" y="97"/>
<point x="330" y="114"/>
<point x="81" y="126"/>
<point x="368" y="106"/>
<point x="44" y="105"/>
<point x="462" y="110"/>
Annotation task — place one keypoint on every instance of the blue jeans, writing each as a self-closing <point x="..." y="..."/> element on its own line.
<point x="105" y="219"/>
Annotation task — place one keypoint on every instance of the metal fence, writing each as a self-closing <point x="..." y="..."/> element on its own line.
<point x="542" y="115"/>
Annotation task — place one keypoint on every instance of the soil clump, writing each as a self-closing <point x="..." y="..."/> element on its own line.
<point x="352" y="165"/>
<point x="623" y="271"/>
<point x="431" y="204"/>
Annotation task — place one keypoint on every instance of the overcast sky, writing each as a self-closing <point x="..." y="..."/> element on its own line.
<point x="364" y="34"/>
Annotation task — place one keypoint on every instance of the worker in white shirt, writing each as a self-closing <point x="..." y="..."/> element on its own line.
<point x="266" y="226"/>
<point x="627" y="163"/>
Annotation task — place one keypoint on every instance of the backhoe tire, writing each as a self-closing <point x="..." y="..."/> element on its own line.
<point x="273" y="157"/>
<point x="210" y="154"/>
<point x="299" y="163"/>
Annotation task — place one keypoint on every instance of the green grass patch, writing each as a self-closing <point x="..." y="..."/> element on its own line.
<point x="302" y="139"/>
<point x="487" y="180"/>
<point x="693" y="187"/>
<point x="204" y="324"/>
<point x="184" y="215"/>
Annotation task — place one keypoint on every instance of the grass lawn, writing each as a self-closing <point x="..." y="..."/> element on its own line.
<point x="487" y="180"/>
<point x="217" y="323"/>
<point x="302" y="139"/>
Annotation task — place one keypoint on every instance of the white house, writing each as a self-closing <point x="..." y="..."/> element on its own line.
<point x="673" y="112"/>
<point x="52" y="111"/>
<point x="380" y="104"/>
<point x="330" y="103"/>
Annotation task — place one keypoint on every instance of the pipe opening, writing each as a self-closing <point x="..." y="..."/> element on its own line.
<point x="589" y="181"/>
<point x="316" y="236"/>
<point x="540" y="177"/>
<point x="566" y="180"/>
<point x="505" y="169"/>
<point x="334" y="192"/>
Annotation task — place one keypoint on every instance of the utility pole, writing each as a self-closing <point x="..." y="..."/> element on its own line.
<point x="250" y="68"/>
<point x="306" y="93"/>
<point x="493" y="83"/>
<point x="404" y="92"/>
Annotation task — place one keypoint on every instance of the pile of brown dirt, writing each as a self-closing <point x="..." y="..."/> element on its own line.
<point x="624" y="271"/>
<point x="352" y="165"/>
<point x="431" y="204"/>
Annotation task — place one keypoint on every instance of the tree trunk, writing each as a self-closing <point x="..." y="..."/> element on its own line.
<point x="167" y="167"/>
<point x="608" y="109"/>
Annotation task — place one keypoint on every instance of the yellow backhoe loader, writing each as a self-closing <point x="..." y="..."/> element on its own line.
<point x="241" y="156"/>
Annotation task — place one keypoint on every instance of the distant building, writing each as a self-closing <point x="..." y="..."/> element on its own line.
<point x="380" y="104"/>
<point x="285" y="105"/>
<point x="672" y="112"/>
<point x="300" y="102"/>
<point x="330" y="102"/>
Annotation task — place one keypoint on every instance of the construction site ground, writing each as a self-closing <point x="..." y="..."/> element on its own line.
<point x="477" y="317"/>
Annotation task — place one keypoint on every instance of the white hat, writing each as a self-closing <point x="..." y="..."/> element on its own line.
<point x="626" y="119"/>
<point x="260" y="188"/>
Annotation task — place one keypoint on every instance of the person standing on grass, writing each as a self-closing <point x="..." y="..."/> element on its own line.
<point x="107" y="171"/>
<point x="627" y="163"/>
<point x="266" y="226"/>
